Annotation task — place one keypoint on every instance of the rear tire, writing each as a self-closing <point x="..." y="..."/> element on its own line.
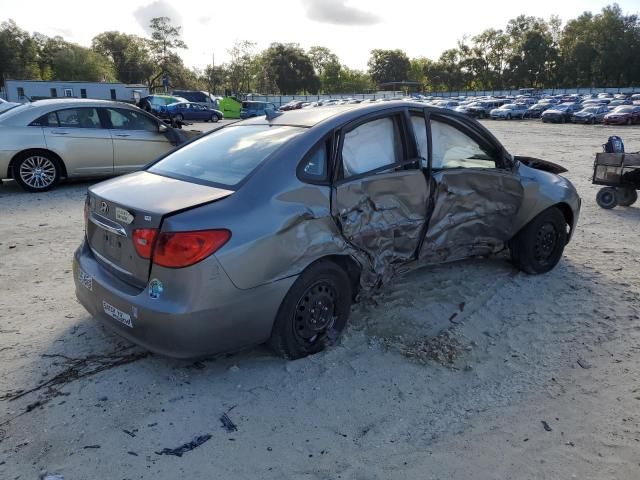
<point x="538" y="247"/>
<point x="607" y="198"/>
<point x="508" y="116"/>
<point x="626" y="196"/>
<point x="313" y="313"/>
<point x="37" y="172"/>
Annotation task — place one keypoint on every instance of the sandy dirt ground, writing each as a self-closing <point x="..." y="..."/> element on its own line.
<point x="465" y="371"/>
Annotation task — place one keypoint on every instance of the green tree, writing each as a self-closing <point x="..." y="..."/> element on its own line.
<point x="73" y="62"/>
<point x="129" y="53"/>
<point x="322" y="58"/>
<point x="165" y="41"/>
<point x="388" y="66"/>
<point x="291" y="69"/>
<point x="18" y="53"/>
<point x="241" y="66"/>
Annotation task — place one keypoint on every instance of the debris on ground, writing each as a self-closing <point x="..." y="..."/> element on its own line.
<point x="584" y="364"/>
<point x="47" y="476"/>
<point x="76" y="368"/>
<point x="227" y="424"/>
<point x="443" y="348"/>
<point x="187" y="447"/>
<point x="546" y="426"/>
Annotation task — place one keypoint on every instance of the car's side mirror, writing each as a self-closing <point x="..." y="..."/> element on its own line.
<point x="162" y="128"/>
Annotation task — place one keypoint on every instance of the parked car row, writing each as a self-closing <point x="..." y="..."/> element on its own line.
<point x="177" y="109"/>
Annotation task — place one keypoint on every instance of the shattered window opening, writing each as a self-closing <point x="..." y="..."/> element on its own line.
<point x="452" y="148"/>
<point x="371" y="146"/>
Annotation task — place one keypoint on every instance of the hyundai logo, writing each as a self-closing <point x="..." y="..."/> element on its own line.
<point x="104" y="208"/>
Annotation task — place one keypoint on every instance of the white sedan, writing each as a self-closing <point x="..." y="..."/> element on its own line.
<point x="42" y="141"/>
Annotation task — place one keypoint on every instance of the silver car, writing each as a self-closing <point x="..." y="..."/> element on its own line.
<point x="41" y="142"/>
<point x="267" y="230"/>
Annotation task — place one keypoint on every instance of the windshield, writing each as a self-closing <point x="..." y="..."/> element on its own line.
<point x="226" y="156"/>
<point x="624" y="110"/>
<point x="590" y="110"/>
<point x="508" y="106"/>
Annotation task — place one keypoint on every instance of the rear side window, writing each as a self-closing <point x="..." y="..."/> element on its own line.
<point x="79" y="118"/>
<point x="226" y="156"/>
<point x="314" y="166"/>
<point x="48" y="120"/>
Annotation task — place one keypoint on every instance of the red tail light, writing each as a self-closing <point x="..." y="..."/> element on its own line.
<point x="181" y="249"/>
<point x="143" y="239"/>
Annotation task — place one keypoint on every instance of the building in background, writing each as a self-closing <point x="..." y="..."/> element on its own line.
<point x="30" y="90"/>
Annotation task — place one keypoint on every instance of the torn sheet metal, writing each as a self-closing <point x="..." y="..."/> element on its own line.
<point x="473" y="214"/>
<point x="383" y="216"/>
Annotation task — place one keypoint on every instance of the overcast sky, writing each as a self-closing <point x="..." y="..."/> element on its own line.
<point x="350" y="28"/>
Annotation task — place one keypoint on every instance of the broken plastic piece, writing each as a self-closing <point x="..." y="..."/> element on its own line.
<point x="227" y="424"/>
<point x="187" y="447"/>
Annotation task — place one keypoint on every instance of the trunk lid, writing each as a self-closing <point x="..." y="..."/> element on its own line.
<point x="119" y="206"/>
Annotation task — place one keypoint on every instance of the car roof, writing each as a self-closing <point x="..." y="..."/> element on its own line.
<point x="309" y="117"/>
<point x="30" y="111"/>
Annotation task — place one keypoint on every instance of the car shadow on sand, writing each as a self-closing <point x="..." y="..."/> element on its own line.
<point x="422" y="304"/>
<point x="521" y="330"/>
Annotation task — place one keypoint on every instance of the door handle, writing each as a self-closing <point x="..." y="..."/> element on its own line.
<point x="123" y="135"/>
<point x="59" y="133"/>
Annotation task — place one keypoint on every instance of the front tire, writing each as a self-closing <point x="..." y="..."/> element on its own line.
<point x="313" y="313"/>
<point x="37" y="172"/>
<point x="214" y="118"/>
<point x="538" y="247"/>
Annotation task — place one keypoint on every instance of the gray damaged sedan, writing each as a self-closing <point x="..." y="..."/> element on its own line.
<point x="268" y="229"/>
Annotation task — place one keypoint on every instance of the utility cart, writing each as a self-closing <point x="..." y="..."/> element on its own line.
<point x="620" y="173"/>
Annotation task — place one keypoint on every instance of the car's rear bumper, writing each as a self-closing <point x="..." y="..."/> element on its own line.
<point x="213" y="317"/>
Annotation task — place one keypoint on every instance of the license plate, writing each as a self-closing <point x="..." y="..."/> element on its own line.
<point x="116" y="314"/>
<point x="85" y="279"/>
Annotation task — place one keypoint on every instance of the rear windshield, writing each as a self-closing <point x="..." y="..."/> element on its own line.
<point x="226" y="156"/>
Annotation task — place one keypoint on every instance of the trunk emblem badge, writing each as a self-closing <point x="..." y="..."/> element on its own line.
<point x="104" y="207"/>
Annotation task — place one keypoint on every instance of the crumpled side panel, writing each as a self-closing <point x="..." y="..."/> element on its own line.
<point x="473" y="214"/>
<point x="383" y="217"/>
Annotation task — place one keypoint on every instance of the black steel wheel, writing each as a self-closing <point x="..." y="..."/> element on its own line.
<point x="607" y="197"/>
<point x="538" y="247"/>
<point x="627" y="196"/>
<point x="313" y="313"/>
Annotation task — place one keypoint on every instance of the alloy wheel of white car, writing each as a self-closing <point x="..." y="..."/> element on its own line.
<point x="37" y="173"/>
